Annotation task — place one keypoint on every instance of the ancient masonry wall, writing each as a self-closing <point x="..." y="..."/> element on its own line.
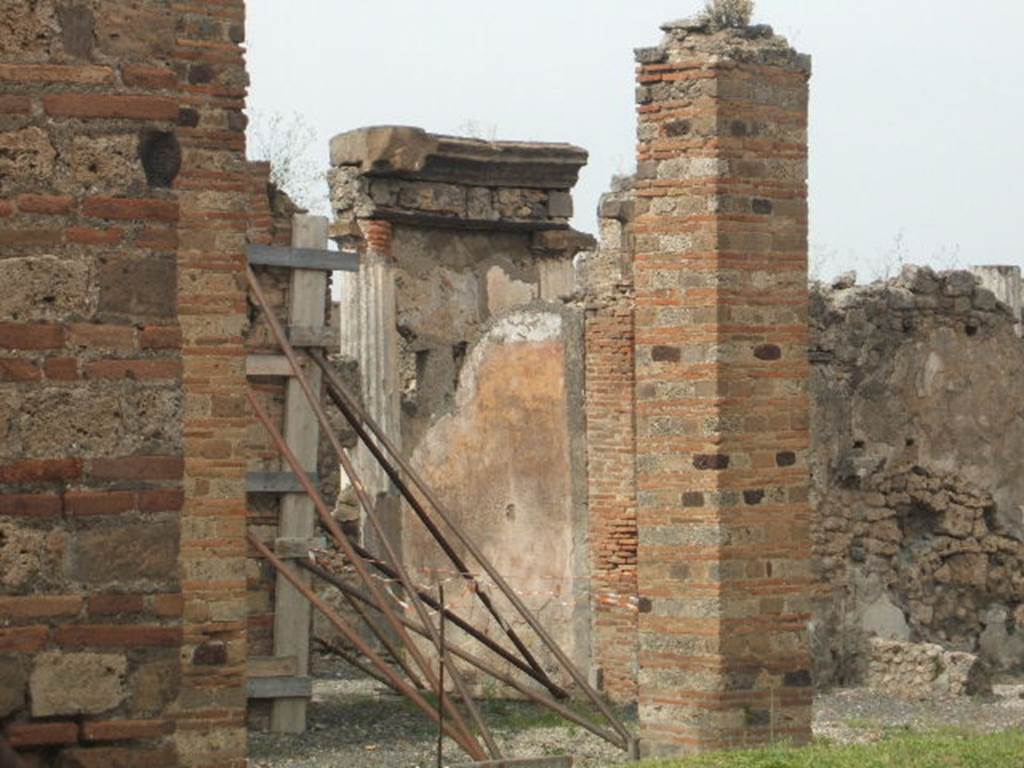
<point x="122" y="415"/>
<point x="723" y="562"/>
<point x="607" y="277"/>
<point x="469" y="354"/>
<point x="917" y="429"/>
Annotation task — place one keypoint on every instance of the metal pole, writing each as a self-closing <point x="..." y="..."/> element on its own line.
<point x="340" y="398"/>
<point x="382" y="636"/>
<point x="440" y="677"/>
<point x="462" y="624"/>
<point x="355" y="662"/>
<point x="558" y="708"/>
<point x="343" y="543"/>
<point x="465" y="740"/>
<point x="479" y="556"/>
<point x="367" y="505"/>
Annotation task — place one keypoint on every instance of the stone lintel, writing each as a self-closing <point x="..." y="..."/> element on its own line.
<point x="415" y="155"/>
<point x="411" y="177"/>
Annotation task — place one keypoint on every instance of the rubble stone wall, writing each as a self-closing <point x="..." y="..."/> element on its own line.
<point x="122" y="415"/>
<point x="917" y="430"/>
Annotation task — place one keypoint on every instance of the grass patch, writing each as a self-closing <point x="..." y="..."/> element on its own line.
<point x="920" y="750"/>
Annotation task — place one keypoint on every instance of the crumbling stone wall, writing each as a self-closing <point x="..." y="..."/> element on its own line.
<point x="917" y="433"/>
<point x="122" y="230"/>
<point x="469" y="354"/>
<point x="607" y="277"/>
<point x="924" y="671"/>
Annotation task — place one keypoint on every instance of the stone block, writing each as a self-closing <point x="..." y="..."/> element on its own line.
<point x="138" y="286"/>
<point x="29" y="556"/>
<point x="25" y="27"/>
<point x="13" y="682"/>
<point x="117" y="419"/>
<point x="77" y="683"/>
<point x="46" y="288"/>
<point x="107" y="163"/>
<point x="127" y="553"/>
<point x="154" y="684"/>
<point x="26" y="158"/>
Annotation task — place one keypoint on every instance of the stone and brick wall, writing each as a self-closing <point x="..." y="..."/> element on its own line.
<point x="611" y="444"/>
<point x="720" y="269"/>
<point x="122" y="231"/>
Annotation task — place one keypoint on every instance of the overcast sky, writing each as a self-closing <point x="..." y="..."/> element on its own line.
<point x="917" y="111"/>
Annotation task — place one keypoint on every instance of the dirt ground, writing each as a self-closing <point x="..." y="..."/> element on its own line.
<point x="356" y="722"/>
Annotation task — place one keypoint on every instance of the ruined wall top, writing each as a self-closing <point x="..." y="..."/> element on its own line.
<point x="404" y="174"/>
<point x="755" y="44"/>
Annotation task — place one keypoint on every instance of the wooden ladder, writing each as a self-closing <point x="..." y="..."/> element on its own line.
<point x="284" y="677"/>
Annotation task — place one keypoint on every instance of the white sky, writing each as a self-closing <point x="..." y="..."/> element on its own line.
<point x="917" y="123"/>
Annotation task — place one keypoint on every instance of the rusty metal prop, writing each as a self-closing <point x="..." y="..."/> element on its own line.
<point x="364" y="427"/>
<point x="440" y="685"/>
<point x="351" y="412"/>
<point x="355" y="414"/>
<point x="384" y="640"/>
<point x="463" y="739"/>
<point x="355" y="661"/>
<point x="367" y="505"/>
<point x="360" y="566"/>
<point x="431" y="602"/>
<point x="538" y="698"/>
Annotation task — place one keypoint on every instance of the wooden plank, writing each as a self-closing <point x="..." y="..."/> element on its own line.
<point x="303" y="258"/>
<point x="267" y="365"/>
<point x="294" y="690"/>
<point x="563" y="761"/>
<point x="322" y="338"/>
<point x="294" y="549"/>
<point x="276" y="482"/>
<point x="272" y="666"/>
<point x="307" y="308"/>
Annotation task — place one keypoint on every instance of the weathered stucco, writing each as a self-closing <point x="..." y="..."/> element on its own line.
<point x="501" y="460"/>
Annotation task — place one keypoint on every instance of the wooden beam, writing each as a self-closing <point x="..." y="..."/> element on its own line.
<point x="295" y="690"/>
<point x="295" y="549"/>
<point x="271" y="666"/>
<point x="307" y="308"/>
<point x="303" y="258"/>
<point x="267" y="365"/>
<point x="322" y="338"/>
<point x="276" y="482"/>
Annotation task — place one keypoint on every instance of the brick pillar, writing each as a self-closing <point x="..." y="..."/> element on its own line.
<point x="210" y="711"/>
<point x="611" y="444"/>
<point x="721" y="378"/>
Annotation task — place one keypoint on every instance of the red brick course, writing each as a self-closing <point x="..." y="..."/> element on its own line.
<point x="161" y="318"/>
<point x="720" y="350"/>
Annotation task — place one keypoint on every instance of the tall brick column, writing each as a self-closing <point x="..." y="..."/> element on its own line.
<point x="721" y="371"/>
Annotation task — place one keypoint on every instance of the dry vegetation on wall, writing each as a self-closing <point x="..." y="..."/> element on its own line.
<point x="729" y="13"/>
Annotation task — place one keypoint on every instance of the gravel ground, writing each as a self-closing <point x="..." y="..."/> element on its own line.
<point x="356" y="722"/>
